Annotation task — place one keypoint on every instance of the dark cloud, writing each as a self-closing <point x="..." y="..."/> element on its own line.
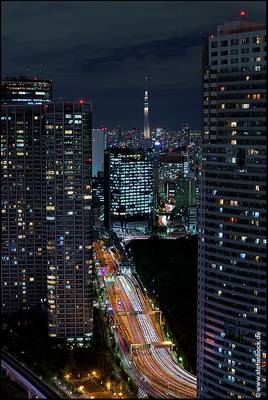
<point x="102" y="50"/>
<point x="172" y="47"/>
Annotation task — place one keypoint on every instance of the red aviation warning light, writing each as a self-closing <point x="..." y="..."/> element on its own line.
<point x="81" y="101"/>
<point x="243" y="14"/>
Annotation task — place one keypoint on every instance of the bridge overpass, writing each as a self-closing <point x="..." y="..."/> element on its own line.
<point x="34" y="386"/>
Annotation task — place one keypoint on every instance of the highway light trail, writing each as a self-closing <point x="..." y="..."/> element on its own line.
<point x="157" y="371"/>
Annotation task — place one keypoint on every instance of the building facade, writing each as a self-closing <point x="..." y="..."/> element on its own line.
<point x="97" y="151"/>
<point x="231" y="355"/>
<point x="23" y="247"/>
<point x="129" y="186"/>
<point x="24" y="90"/>
<point x="69" y="221"/>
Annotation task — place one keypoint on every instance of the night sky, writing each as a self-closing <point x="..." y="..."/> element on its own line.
<point x="102" y="50"/>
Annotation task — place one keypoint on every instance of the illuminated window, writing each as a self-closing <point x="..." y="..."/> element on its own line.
<point x="233" y="124"/>
<point x="234" y="133"/>
<point x="253" y="152"/>
<point x="222" y="106"/>
<point x="233" y="142"/>
<point x="246" y="105"/>
<point x="257" y="39"/>
<point x="257" y="188"/>
<point x="233" y="219"/>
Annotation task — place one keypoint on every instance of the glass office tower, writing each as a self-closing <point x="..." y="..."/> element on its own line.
<point x="23" y="248"/>
<point x="129" y="185"/>
<point x="231" y="356"/>
<point x="68" y="221"/>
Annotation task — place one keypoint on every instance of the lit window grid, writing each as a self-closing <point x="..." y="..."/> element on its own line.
<point x="223" y="230"/>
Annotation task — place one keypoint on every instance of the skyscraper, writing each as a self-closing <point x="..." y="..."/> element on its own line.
<point x="24" y="90"/>
<point x="129" y="186"/>
<point x="231" y="356"/>
<point x="147" y="134"/>
<point x="97" y="151"/>
<point x="23" y="247"/>
<point x="69" y="221"/>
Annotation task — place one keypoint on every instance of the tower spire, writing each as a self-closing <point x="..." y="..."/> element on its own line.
<point x="146" y="112"/>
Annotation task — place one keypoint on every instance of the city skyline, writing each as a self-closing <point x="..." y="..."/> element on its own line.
<point x="133" y="144"/>
<point x="102" y="52"/>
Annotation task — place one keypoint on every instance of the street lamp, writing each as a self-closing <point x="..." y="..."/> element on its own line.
<point x="80" y="389"/>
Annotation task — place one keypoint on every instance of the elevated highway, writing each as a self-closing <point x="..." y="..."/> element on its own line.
<point x="34" y="386"/>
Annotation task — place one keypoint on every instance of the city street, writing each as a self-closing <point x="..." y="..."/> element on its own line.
<point x="140" y="333"/>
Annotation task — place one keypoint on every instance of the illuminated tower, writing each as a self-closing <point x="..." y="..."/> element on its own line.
<point x="146" y="111"/>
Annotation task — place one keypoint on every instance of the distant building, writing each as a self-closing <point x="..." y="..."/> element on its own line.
<point x="23" y="246"/>
<point x="24" y="90"/>
<point x="69" y="221"/>
<point x="189" y="219"/>
<point x="171" y="168"/>
<point x="97" y="151"/>
<point x="185" y="192"/>
<point x="232" y="286"/>
<point x="129" y="186"/>
<point x="98" y="199"/>
<point x="184" y="135"/>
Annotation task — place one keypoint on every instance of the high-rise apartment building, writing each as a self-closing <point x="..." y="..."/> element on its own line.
<point x="69" y="222"/>
<point x="46" y="198"/>
<point x="129" y="186"/>
<point x="24" y="90"/>
<point x="23" y="247"/>
<point x="231" y="356"/>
